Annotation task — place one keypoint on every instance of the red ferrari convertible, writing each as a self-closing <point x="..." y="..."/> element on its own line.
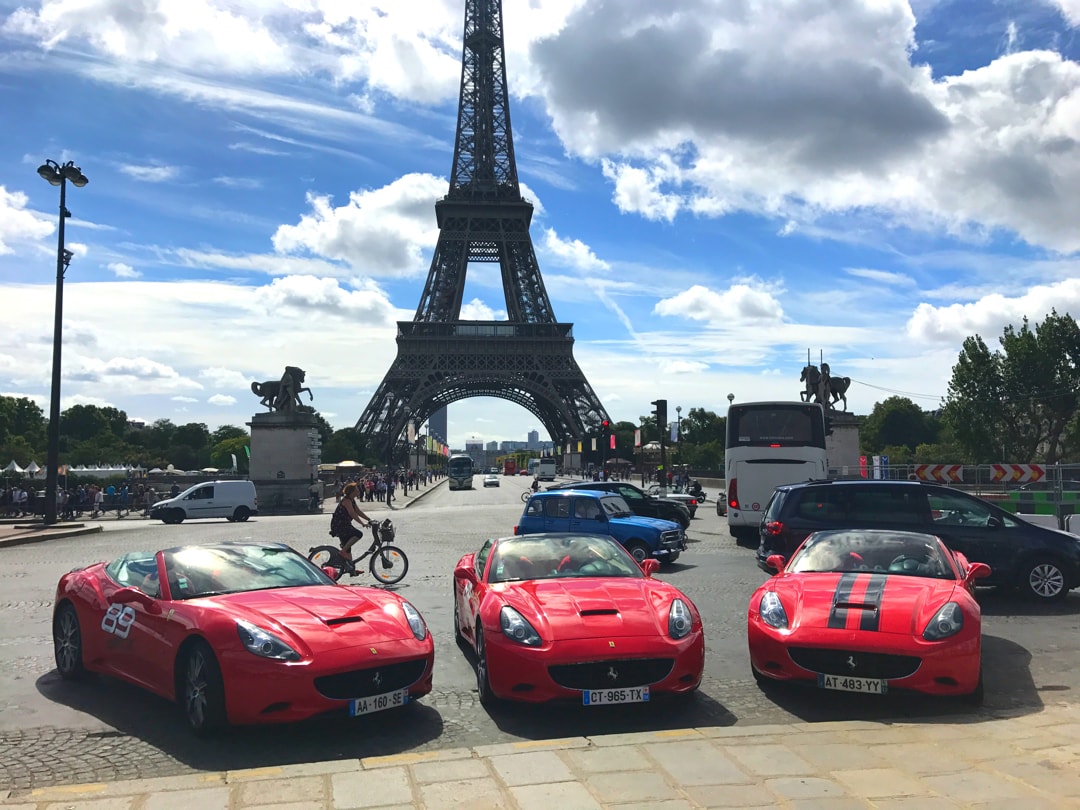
<point x="241" y="633"/>
<point x="574" y="617"/>
<point x="870" y="611"/>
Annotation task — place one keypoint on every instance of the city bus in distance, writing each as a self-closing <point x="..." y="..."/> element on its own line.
<point x="534" y="466"/>
<point x="459" y="471"/>
<point x="769" y="444"/>
<point x="545" y="470"/>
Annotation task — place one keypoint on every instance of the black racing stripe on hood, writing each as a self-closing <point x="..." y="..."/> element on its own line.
<point x="838" y="616"/>
<point x="874" y="592"/>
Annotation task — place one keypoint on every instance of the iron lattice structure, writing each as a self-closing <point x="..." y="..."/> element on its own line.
<point x="527" y="359"/>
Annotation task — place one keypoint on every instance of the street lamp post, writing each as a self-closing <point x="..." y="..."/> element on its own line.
<point x="57" y="175"/>
<point x="678" y="435"/>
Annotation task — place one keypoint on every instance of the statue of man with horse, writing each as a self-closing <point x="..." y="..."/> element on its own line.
<point x="822" y="387"/>
<point x="283" y="395"/>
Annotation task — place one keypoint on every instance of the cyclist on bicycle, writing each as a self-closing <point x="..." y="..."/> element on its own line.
<point x="341" y="523"/>
<point x="536" y="485"/>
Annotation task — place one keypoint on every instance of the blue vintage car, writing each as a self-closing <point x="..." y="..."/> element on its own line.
<point x="587" y="512"/>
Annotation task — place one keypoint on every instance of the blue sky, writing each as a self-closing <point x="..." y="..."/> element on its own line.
<point x="721" y="187"/>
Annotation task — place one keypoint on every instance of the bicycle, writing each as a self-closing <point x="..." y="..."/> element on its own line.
<point x="388" y="563"/>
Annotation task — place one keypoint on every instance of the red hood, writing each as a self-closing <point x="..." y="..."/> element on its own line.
<point x="887" y="603"/>
<point x="555" y="607"/>
<point x="314" y="615"/>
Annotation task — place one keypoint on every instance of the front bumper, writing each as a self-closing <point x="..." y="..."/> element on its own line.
<point x="524" y="673"/>
<point x="948" y="667"/>
<point x="259" y="690"/>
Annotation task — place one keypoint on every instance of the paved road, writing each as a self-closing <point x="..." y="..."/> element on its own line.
<point x="53" y="732"/>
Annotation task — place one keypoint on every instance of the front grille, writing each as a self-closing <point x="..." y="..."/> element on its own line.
<point x="669" y="538"/>
<point x="598" y="674"/>
<point x="854" y="662"/>
<point x="374" y="681"/>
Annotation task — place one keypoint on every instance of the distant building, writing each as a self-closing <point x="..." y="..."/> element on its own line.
<point x="437" y="425"/>
<point x="492" y="447"/>
<point x="534" y="440"/>
<point x="474" y="447"/>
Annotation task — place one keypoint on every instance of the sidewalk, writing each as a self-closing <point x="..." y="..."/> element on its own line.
<point x="21" y="531"/>
<point x="1030" y="761"/>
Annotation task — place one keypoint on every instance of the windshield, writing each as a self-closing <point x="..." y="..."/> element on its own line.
<point x="560" y="557"/>
<point x="195" y="571"/>
<point x="903" y="553"/>
<point x="615" y="506"/>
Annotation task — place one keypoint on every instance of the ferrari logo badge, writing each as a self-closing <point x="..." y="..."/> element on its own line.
<point x="613" y="674"/>
<point x="852" y="663"/>
<point x="377" y="680"/>
<point x="374" y="651"/>
<point x="611" y="643"/>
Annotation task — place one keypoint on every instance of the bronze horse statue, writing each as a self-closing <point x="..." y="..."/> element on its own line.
<point x="283" y="394"/>
<point x="822" y="387"/>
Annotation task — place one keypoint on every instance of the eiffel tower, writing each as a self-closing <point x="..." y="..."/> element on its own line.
<point x="528" y="358"/>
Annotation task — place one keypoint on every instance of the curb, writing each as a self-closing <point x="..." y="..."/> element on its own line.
<point x="38" y="534"/>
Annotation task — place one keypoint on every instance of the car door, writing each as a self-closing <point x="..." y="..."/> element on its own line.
<point x="978" y="530"/>
<point x="586" y="516"/>
<point x="557" y="514"/>
<point x="638" y="502"/>
<point x="200" y="502"/>
<point x="136" y="630"/>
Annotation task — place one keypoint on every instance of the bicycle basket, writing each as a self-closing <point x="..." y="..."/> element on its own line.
<point x="387" y="532"/>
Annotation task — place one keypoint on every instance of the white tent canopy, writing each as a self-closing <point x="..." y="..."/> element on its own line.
<point x="13" y="467"/>
<point x="32" y="468"/>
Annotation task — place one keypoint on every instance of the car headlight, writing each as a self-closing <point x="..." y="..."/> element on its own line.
<point x="772" y="611"/>
<point x="679" y="620"/>
<point x="516" y="628"/>
<point x="264" y="644"/>
<point x="416" y="621"/>
<point x="946" y="622"/>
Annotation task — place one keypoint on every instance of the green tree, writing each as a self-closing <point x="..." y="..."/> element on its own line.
<point x="222" y="452"/>
<point x="22" y="429"/>
<point x="226" y="432"/>
<point x="896" y="422"/>
<point x="1017" y="403"/>
<point x="342" y="445"/>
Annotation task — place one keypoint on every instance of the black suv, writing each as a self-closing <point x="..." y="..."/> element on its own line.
<point x="640" y="503"/>
<point x="1044" y="563"/>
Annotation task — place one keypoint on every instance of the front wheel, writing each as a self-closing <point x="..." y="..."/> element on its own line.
<point x="1044" y="581"/>
<point x="389" y="565"/>
<point x="483" y="680"/>
<point x="202" y="691"/>
<point x="177" y="516"/>
<point x="638" y="550"/>
<point x="241" y="514"/>
<point x="525" y="496"/>
<point x="67" y="643"/>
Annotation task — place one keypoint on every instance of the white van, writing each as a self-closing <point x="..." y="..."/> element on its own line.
<point x="232" y="500"/>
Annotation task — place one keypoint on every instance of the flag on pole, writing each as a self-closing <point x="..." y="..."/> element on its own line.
<point x="674" y="432"/>
<point x="637" y="437"/>
<point x="612" y="441"/>
<point x="594" y="443"/>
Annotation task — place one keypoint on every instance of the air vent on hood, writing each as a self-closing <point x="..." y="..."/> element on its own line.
<point x="600" y="612"/>
<point x="344" y="620"/>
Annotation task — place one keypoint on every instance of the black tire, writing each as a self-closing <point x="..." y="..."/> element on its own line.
<point x="1042" y="579"/>
<point x="525" y="497"/>
<point x="67" y="643"/>
<point x="328" y="556"/>
<point x="638" y="550"/>
<point x="178" y="516"/>
<point x="760" y="679"/>
<point x="976" y="698"/>
<point x="457" y="619"/>
<point x="483" y="682"/>
<point x="389" y="565"/>
<point x="241" y="514"/>
<point x="202" y="690"/>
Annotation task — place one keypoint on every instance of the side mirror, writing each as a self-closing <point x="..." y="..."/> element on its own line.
<point x="776" y="562"/>
<point x="994" y="522"/>
<point x="467" y="573"/>
<point x="650" y="566"/>
<point x="126" y="596"/>
<point x="977" y="571"/>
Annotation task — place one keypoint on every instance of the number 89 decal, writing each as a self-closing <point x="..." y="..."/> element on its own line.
<point x="118" y="620"/>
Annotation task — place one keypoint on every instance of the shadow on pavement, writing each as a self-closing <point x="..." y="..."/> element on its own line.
<point x="1006" y="678"/>
<point x="1004" y="601"/>
<point x="138" y="714"/>
<point x="662" y="713"/>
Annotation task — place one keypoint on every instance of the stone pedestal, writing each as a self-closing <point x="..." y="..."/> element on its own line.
<point x="842" y="446"/>
<point x="285" y="456"/>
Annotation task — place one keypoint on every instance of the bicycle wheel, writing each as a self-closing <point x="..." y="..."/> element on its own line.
<point x="525" y="496"/>
<point x="389" y="565"/>
<point x="329" y="557"/>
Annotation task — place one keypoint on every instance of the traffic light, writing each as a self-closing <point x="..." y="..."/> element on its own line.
<point x="661" y="414"/>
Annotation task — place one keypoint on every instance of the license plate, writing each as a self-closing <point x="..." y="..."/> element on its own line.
<point x="844" y="683"/>
<point x="603" y="697"/>
<point x="378" y="703"/>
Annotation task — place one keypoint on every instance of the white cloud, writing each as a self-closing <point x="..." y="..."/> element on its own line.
<point x="18" y="224"/>
<point x="222" y="400"/>
<point x="684" y="367"/>
<point x="989" y="315"/>
<point x="149" y="174"/>
<point x="183" y="399"/>
<point x="741" y="302"/>
<point x="639" y="190"/>
<point x="380" y="232"/>
<point x="477" y="310"/>
<point x="224" y="377"/>
<point x="1070" y="10"/>
<point x="309" y="298"/>
<point x="881" y="276"/>
<point x="245" y="183"/>
<point x="573" y="252"/>
<point x="122" y="270"/>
